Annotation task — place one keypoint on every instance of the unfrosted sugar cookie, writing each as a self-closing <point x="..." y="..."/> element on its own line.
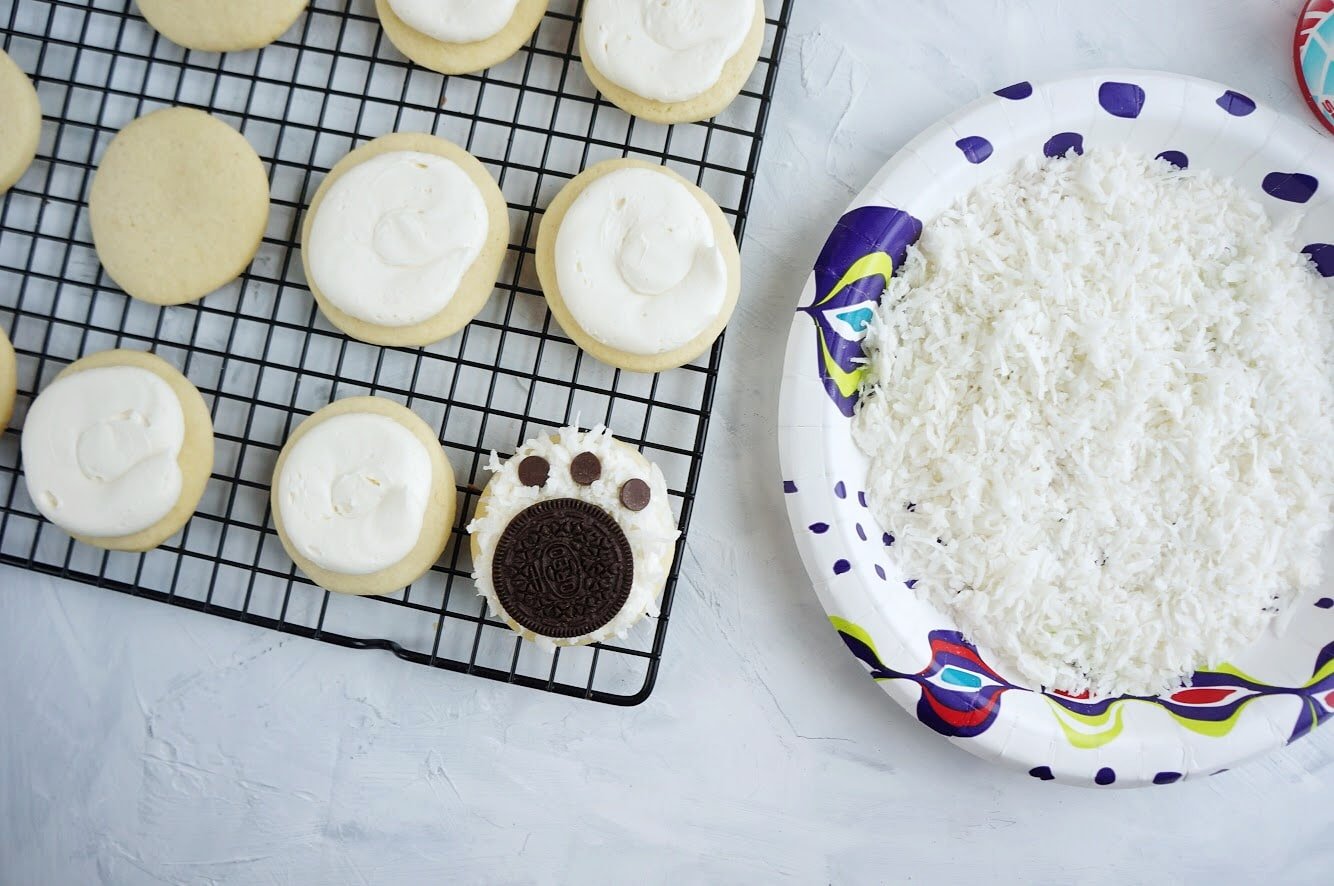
<point x="178" y="206"/>
<point x="639" y="267"/>
<point x="404" y="240"/>
<point x="459" y="36"/>
<point x="363" y="497"/>
<point x="222" y="25"/>
<point x="573" y="538"/>
<point x="671" y="61"/>
<point x="20" y="122"/>
<point x="9" y="380"/>
<point x="117" y="450"/>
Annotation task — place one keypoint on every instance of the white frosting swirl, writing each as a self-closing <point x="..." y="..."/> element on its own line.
<point x="394" y="236"/>
<point x="100" y="451"/>
<point x="652" y="532"/>
<point x="638" y="263"/>
<point x="353" y="493"/>
<point x="456" y="21"/>
<point x="666" y="50"/>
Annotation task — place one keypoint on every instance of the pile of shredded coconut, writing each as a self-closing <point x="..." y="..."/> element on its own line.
<point x="1100" y="420"/>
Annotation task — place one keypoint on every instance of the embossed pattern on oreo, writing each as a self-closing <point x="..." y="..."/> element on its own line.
<point x="563" y="568"/>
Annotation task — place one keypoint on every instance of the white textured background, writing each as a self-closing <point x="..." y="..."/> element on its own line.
<point x="140" y="744"/>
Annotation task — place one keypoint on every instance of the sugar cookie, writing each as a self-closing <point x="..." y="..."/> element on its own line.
<point x="639" y="267"/>
<point x="459" y="36"/>
<point x="573" y="538"/>
<point x="363" y="497"/>
<point x="222" y="25"/>
<point x="404" y="240"/>
<point x="117" y="450"/>
<point x="678" y="62"/>
<point x="22" y="127"/>
<point x="9" y="381"/>
<point x="178" y="206"/>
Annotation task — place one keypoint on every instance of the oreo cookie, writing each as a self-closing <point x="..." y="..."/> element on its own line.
<point x="563" y="568"/>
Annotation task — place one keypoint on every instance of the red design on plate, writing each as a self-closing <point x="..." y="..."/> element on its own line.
<point x="1312" y="15"/>
<point x="1201" y="696"/>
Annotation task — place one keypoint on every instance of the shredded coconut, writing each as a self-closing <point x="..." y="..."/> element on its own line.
<point x="1099" y="420"/>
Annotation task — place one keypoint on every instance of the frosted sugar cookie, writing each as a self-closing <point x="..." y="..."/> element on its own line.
<point x="404" y="239"/>
<point x="178" y="206"/>
<point x="573" y="538"/>
<point x="9" y="380"/>
<point x="638" y="266"/>
<point x="671" y="61"/>
<point x="117" y="450"/>
<point x="21" y="114"/>
<point x="363" y="497"/>
<point x="222" y="25"/>
<point x="459" y="36"/>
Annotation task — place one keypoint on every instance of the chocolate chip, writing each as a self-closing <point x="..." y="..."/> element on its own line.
<point x="585" y="469"/>
<point x="563" y="568"/>
<point x="534" y="471"/>
<point x="636" y="495"/>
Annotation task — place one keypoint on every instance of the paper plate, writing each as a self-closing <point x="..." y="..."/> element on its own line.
<point x="1313" y="54"/>
<point x="1269" y="694"/>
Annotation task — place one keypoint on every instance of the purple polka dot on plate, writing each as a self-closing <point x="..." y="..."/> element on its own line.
<point x="1063" y="143"/>
<point x="1121" y="99"/>
<point x="1176" y="158"/>
<point x="1167" y="778"/>
<point x="861" y="499"/>
<point x="880" y="571"/>
<point x="789" y="487"/>
<point x="841" y="567"/>
<point x="1294" y="187"/>
<point x="887" y="539"/>
<point x="840" y="490"/>
<point x="911" y="584"/>
<point x="1322" y="254"/>
<point x="975" y="149"/>
<point x="1042" y="772"/>
<point x="1106" y="775"/>
<point x="819" y="528"/>
<point x="1236" y="104"/>
<point x="861" y="533"/>
<point x="1016" y="91"/>
<point x="1325" y="603"/>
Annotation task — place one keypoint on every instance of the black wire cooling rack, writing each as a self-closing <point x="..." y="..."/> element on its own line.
<point x="264" y="357"/>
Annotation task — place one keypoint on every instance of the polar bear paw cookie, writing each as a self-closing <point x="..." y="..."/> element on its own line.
<point x="22" y="115"/>
<point x="404" y="240"/>
<point x="459" y="36"/>
<point x="671" y="61"/>
<point x="117" y="450"/>
<point x="9" y="380"/>
<point x="178" y="206"/>
<point x="363" y="497"/>
<point x="639" y="267"/>
<point x="222" y="25"/>
<point x="573" y="538"/>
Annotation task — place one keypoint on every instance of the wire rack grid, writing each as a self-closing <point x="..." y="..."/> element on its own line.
<point x="263" y="356"/>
